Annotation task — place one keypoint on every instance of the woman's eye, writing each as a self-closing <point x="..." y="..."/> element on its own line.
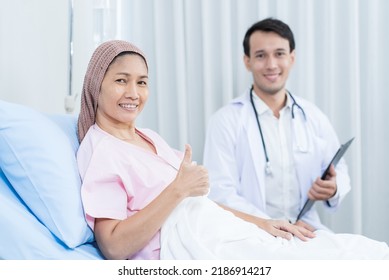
<point x="143" y="83"/>
<point x="120" y="81"/>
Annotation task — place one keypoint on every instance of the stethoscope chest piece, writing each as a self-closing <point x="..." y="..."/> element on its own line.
<point x="268" y="169"/>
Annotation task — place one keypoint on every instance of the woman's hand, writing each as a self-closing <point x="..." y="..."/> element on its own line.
<point x="286" y="230"/>
<point x="191" y="179"/>
<point x="281" y="228"/>
<point x="304" y="225"/>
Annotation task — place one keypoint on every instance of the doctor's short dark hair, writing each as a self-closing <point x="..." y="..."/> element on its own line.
<point x="269" y="25"/>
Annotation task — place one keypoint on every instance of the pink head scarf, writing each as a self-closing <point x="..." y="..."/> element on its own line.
<point x="98" y="65"/>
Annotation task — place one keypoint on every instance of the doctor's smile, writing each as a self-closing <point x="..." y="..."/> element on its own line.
<point x="272" y="77"/>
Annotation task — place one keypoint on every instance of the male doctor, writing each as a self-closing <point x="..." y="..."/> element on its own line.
<point x="267" y="149"/>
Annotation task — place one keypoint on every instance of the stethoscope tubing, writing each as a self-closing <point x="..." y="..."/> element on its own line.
<point x="268" y="168"/>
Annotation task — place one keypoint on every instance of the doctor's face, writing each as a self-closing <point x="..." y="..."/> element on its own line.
<point x="270" y="62"/>
<point x="124" y="91"/>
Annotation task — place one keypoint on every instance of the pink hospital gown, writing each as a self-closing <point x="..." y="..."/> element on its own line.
<point x="119" y="178"/>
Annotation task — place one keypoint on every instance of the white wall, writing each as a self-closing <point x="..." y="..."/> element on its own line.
<point x="34" y="53"/>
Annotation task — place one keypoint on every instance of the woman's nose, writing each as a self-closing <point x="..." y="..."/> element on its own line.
<point x="131" y="92"/>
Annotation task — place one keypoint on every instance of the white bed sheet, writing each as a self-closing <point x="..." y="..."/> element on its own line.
<point x="199" y="229"/>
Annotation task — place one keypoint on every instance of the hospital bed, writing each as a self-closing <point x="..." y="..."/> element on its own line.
<point x="41" y="215"/>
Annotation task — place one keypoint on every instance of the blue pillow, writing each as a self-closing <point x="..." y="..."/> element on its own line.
<point x="24" y="237"/>
<point x="68" y="124"/>
<point x="38" y="159"/>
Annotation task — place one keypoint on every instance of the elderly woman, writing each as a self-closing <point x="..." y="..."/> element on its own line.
<point x="145" y="200"/>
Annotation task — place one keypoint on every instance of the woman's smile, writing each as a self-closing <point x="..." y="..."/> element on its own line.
<point x="128" y="106"/>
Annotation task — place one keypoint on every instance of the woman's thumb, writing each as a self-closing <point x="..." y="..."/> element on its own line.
<point x="188" y="154"/>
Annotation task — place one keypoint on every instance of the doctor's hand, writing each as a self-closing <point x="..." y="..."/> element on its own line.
<point x="324" y="189"/>
<point x="191" y="179"/>
<point x="286" y="230"/>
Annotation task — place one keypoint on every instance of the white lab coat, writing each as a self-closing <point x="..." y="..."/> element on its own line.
<point x="235" y="158"/>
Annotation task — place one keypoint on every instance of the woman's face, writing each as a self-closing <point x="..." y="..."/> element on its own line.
<point x="124" y="91"/>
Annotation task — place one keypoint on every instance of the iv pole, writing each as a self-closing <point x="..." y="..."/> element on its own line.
<point x="70" y="99"/>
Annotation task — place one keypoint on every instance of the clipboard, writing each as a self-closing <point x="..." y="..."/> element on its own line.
<point x="338" y="155"/>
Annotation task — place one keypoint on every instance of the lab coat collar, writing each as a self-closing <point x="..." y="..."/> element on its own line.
<point x="260" y="105"/>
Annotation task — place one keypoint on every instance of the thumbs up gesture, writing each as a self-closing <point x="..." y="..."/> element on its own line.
<point x="187" y="155"/>
<point x="191" y="179"/>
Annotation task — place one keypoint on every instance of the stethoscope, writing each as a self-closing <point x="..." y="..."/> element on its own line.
<point x="302" y="148"/>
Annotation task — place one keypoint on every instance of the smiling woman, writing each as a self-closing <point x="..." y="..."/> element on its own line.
<point x="127" y="199"/>
<point x="123" y="95"/>
<point x="105" y="55"/>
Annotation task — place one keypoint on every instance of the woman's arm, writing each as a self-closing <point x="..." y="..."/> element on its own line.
<point x="118" y="239"/>
<point x="281" y="228"/>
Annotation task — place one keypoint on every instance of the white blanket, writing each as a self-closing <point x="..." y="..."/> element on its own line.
<point x="199" y="229"/>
